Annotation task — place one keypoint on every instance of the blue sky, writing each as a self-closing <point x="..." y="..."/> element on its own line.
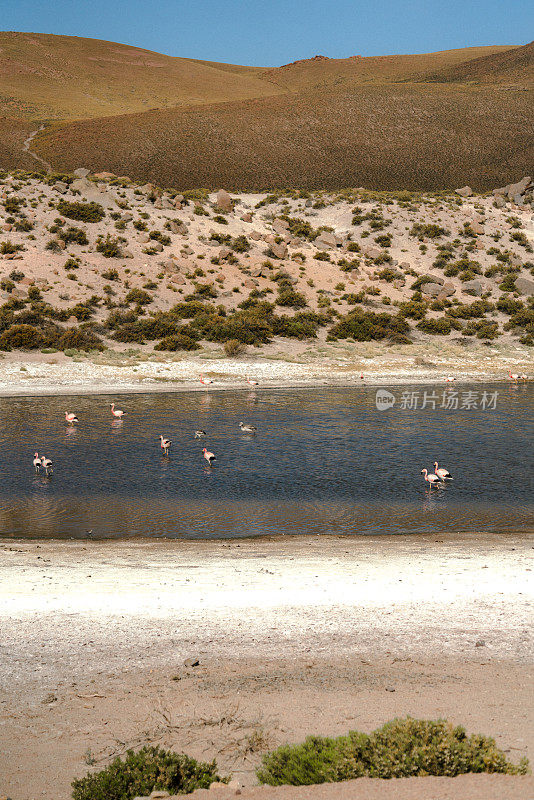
<point x="274" y="32"/>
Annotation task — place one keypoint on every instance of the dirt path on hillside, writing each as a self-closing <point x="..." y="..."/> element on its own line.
<point x="26" y="148"/>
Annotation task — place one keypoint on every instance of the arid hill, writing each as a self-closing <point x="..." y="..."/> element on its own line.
<point x="418" y="122"/>
<point x="516" y="65"/>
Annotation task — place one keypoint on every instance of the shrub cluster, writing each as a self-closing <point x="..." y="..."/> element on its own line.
<point x="366" y="326"/>
<point x="143" y="772"/>
<point x="83" y="212"/>
<point x="400" y="748"/>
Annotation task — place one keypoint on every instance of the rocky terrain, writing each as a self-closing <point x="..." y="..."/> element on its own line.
<point x="90" y="262"/>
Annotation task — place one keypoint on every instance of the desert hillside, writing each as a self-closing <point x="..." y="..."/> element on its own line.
<point x="95" y="262"/>
<point x="416" y="122"/>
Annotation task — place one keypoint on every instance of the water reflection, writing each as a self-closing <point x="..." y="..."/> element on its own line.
<point x="321" y="462"/>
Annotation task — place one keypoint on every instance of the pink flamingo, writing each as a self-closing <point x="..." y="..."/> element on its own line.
<point x="432" y="479"/>
<point x="165" y="444"/>
<point x="47" y="464"/>
<point x="449" y="379"/>
<point x="514" y="377"/>
<point x="37" y="462"/>
<point x="444" y="474"/>
<point x="205" y="381"/>
<point x="70" y="417"/>
<point x="116" y="412"/>
<point x="251" y="381"/>
<point x="208" y="456"/>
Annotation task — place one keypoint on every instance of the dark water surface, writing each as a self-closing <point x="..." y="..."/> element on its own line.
<point x="323" y="461"/>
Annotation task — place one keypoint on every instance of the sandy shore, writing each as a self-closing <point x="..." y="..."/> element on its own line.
<point x="298" y="365"/>
<point x="294" y="636"/>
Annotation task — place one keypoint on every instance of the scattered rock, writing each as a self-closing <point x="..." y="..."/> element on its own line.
<point x="191" y="662"/>
<point x="224" y="201"/>
<point x="473" y="287"/>
<point x="50" y="698"/>
<point x="431" y="289"/>
<point x="279" y="250"/>
<point x="480" y="643"/>
<point x="525" y="285"/>
<point x="465" y="191"/>
<point x="81" y="172"/>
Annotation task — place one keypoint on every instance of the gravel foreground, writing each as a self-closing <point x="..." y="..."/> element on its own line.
<point x="293" y="636"/>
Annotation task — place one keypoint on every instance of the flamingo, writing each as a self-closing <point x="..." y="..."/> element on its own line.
<point x="70" y="417"/>
<point x="116" y="412"/>
<point x="37" y="462"/>
<point x="205" y="381"/>
<point x="444" y="474"/>
<point x="165" y="444"/>
<point x="47" y="464"/>
<point x="514" y="377"/>
<point x="449" y="379"/>
<point x="247" y="428"/>
<point x="251" y="381"/>
<point x="432" y="479"/>
<point x="208" y="456"/>
<point x="199" y="434"/>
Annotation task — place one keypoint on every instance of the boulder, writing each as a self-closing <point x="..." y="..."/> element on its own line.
<point x="60" y="187"/>
<point x="477" y="228"/>
<point x="247" y="217"/>
<point x="519" y="188"/>
<point x="448" y="289"/>
<point x="281" y="226"/>
<point x="372" y="252"/>
<point x="525" y="285"/>
<point x="279" y="250"/>
<point x="224" y="201"/>
<point x="435" y="278"/>
<point x="224" y="252"/>
<point x="178" y="279"/>
<point x="473" y="287"/>
<point x="255" y="235"/>
<point x="465" y="191"/>
<point x="104" y="176"/>
<point x="175" y="226"/>
<point x="431" y="289"/>
<point x="92" y="193"/>
<point x="326" y="241"/>
<point x="81" y="172"/>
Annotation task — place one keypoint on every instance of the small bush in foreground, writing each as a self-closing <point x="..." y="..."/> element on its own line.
<point x="233" y="347"/>
<point x="401" y="748"/>
<point x="143" y="771"/>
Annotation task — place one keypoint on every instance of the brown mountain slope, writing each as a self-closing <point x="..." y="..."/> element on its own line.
<point x="516" y="64"/>
<point x="322" y="72"/>
<point x="13" y="133"/>
<point x="57" y="77"/>
<point x="403" y="136"/>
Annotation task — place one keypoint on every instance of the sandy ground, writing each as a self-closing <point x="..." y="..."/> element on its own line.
<point x="285" y="365"/>
<point x="293" y="637"/>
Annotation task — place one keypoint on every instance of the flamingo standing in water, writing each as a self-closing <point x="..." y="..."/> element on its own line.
<point x="251" y="381"/>
<point x="116" y="412"/>
<point x="514" y="377"/>
<point x="37" y="462"/>
<point x="205" y="381"/>
<point x="449" y="379"/>
<point x="432" y="479"/>
<point x="208" y="456"/>
<point x="442" y="473"/>
<point x="70" y="417"/>
<point x="165" y="444"/>
<point x="47" y="464"/>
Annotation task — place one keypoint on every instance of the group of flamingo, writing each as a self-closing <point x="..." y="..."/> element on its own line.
<point x="515" y="377"/>
<point x="72" y="419"/>
<point x="438" y="477"/>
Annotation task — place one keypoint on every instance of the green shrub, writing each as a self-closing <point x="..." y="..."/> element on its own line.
<point x="8" y="248"/>
<point x="138" y="296"/>
<point x="75" y="235"/>
<point x="365" y="326"/>
<point x="109" y="247"/>
<point x="440" y="327"/>
<point x="144" y="771"/>
<point x="233" y="347"/>
<point x="400" y="748"/>
<point x="21" y="337"/>
<point x="470" y="311"/>
<point x="83" y="212"/>
<point x="177" y="341"/>
<point x="287" y="296"/>
<point x="79" y="339"/>
<point x="428" y="231"/>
